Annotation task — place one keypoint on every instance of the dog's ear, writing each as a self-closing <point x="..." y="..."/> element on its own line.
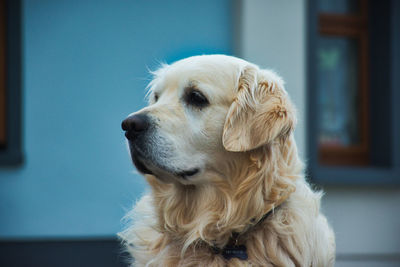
<point x="261" y="112"/>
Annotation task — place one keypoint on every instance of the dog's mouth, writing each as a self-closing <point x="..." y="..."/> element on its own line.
<point x="189" y="173"/>
<point x="140" y="166"/>
<point x="146" y="166"/>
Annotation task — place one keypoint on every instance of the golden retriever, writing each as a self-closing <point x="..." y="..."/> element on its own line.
<point x="227" y="186"/>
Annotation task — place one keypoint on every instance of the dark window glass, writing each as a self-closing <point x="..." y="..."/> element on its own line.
<point x="337" y="86"/>
<point x="338" y="6"/>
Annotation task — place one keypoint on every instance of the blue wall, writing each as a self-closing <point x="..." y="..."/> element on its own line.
<point x="84" y="71"/>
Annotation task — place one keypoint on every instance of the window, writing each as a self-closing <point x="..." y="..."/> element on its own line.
<point x="10" y="83"/>
<point x="342" y="82"/>
<point x="353" y="64"/>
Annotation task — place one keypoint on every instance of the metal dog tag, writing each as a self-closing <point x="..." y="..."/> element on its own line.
<point x="232" y="251"/>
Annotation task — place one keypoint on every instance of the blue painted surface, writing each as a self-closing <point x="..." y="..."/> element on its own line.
<point x="84" y="71"/>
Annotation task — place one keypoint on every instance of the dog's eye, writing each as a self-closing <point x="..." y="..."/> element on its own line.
<point x="155" y="98"/>
<point x="196" y="98"/>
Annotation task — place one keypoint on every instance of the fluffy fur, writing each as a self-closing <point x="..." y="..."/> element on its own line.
<point x="243" y="144"/>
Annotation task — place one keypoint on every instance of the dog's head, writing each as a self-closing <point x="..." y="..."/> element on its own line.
<point x="204" y="113"/>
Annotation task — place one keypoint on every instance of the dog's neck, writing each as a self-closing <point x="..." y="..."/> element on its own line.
<point x="236" y="248"/>
<point x="211" y="212"/>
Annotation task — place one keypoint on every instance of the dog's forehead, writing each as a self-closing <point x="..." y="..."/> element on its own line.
<point x="216" y="74"/>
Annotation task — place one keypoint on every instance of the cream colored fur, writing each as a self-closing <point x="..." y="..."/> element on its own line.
<point x="243" y="143"/>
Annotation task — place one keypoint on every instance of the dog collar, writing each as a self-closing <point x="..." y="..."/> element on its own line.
<point x="233" y="249"/>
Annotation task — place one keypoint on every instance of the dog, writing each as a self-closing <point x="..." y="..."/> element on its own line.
<point x="227" y="186"/>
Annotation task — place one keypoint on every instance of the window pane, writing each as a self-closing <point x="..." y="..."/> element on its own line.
<point x="337" y="85"/>
<point x="338" y="6"/>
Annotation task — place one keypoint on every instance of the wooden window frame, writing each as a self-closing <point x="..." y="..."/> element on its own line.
<point x="353" y="26"/>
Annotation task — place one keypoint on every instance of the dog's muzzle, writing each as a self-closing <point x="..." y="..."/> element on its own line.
<point x="140" y="131"/>
<point x="136" y="127"/>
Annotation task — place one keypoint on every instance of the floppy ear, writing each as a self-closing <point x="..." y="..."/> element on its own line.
<point x="261" y="112"/>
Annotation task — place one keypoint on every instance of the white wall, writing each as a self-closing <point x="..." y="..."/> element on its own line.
<point x="366" y="220"/>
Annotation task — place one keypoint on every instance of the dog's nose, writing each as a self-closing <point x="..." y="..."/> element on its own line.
<point x="135" y="124"/>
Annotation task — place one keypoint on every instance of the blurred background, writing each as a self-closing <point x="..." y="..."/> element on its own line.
<point x="72" y="70"/>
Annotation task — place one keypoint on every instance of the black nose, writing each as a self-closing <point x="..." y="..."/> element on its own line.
<point x="135" y="124"/>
